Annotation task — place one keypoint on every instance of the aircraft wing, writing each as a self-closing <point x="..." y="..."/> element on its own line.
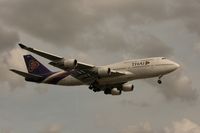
<point x="84" y="72"/>
<point x="54" y="58"/>
<point x="41" y="53"/>
<point x="80" y="65"/>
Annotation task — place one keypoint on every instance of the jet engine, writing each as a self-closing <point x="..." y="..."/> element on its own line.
<point x="102" y="72"/>
<point x="127" y="87"/>
<point x="115" y="91"/>
<point x="70" y="63"/>
<point x="67" y="64"/>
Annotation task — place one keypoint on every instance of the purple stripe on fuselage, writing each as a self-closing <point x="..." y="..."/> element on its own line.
<point x="57" y="78"/>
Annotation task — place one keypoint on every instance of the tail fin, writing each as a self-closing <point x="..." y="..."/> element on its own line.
<point x="34" y="66"/>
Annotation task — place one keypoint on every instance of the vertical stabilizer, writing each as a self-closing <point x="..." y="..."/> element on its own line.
<point x="34" y="66"/>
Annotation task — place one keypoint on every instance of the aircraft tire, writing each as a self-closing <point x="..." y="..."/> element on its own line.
<point x="159" y="82"/>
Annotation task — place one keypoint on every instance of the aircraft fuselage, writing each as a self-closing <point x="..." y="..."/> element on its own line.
<point x="133" y="69"/>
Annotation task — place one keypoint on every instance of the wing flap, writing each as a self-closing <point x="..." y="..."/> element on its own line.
<point x="82" y="65"/>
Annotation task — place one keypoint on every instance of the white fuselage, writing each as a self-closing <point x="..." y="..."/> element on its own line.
<point x="141" y="68"/>
<point x="132" y="69"/>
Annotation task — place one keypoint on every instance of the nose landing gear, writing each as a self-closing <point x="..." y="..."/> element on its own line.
<point x="159" y="79"/>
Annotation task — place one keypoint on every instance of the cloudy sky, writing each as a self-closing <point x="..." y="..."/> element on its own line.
<point x="101" y="32"/>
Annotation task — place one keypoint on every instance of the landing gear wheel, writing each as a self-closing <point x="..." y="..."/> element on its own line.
<point x="96" y="89"/>
<point x="107" y="91"/>
<point x="159" y="81"/>
<point x="91" y="87"/>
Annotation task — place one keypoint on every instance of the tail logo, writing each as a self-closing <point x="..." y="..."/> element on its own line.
<point x="33" y="64"/>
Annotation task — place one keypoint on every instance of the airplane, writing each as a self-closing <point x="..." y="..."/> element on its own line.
<point x="111" y="79"/>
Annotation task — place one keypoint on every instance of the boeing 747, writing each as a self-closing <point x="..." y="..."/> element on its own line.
<point x="111" y="79"/>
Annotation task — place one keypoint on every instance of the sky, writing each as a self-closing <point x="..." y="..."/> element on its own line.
<point x="101" y="32"/>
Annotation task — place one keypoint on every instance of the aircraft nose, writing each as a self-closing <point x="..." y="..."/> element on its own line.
<point x="176" y="65"/>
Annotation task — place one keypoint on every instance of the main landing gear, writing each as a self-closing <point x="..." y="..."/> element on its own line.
<point x="94" y="88"/>
<point x="159" y="79"/>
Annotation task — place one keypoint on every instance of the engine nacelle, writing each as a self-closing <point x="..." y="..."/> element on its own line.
<point x="115" y="91"/>
<point x="70" y="63"/>
<point x="103" y="72"/>
<point x="127" y="87"/>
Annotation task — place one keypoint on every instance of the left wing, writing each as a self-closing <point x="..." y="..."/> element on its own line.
<point x="54" y="58"/>
<point x="77" y="65"/>
<point x="82" y="71"/>
<point x="41" y="53"/>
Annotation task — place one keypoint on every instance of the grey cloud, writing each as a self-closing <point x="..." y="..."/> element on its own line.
<point x="53" y="21"/>
<point x="54" y="128"/>
<point x="90" y="24"/>
<point x="66" y="22"/>
<point x="188" y="12"/>
<point x="183" y="126"/>
<point x="69" y="22"/>
<point x="41" y="89"/>
<point x="141" y="128"/>
<point x="196" y="48"/>
<point x="148" y="45"/>
<point x="137" y="12"/>
<point x="11" y="59"/>
<point x="6" y="130"/>
<point x="117" y="35"/>
<point x="7" y="39"/>
<point x="178" y="86"/>
<point x="130" y="102"/>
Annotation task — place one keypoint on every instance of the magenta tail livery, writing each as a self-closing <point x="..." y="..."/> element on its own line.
<point x="111" y="79"/>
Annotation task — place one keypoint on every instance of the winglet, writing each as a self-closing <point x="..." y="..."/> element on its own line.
<point x="22" y="46"/>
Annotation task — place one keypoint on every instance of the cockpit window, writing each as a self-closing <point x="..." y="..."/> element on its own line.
<point x="163" y="58"/>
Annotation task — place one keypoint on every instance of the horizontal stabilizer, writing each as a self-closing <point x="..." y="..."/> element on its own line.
<point x="27" y="75"/>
